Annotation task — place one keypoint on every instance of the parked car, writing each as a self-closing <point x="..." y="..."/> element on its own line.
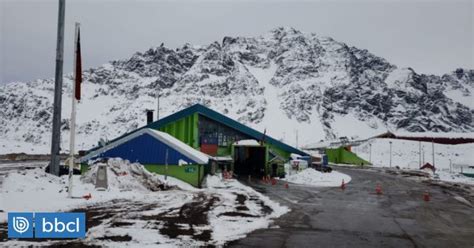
<point x="319" y="167"/>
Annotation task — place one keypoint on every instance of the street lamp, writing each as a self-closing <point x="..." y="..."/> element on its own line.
<point x="433" y="152"/>
<point x="419" y="155"/>
<point x="390" y="154"/>
<point x="370" y="153"/>
<point x="158" y="103"/>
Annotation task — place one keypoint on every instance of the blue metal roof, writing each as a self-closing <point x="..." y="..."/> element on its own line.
<point x="203" y="110"/>
<point x="146" y="149"/>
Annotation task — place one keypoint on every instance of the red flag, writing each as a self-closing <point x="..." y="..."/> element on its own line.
<point x="78" y="66"/>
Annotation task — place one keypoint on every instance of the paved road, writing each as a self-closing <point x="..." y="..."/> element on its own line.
<point x="357" y="217"/>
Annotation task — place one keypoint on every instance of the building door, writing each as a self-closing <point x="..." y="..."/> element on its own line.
<point x="249" y="160"/>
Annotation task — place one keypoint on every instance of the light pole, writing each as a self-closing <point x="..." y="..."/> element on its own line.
<point x="390" y="154"/>
<point x="166" y="166"/>
<point x="423" y="156"/>
<point x="58" y="85"/>
<point x="419" y="154"/>
<point x="296" y="131"/>
<point x="433" y="152"/>
<point x="158" y="103"/>
<point x="370" y="153"/>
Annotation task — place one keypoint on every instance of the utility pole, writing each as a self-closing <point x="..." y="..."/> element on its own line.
<point x="419" y="154"/>
<point x="433" y="153"/>
<point x="296" y="131"/>
<point x="423" y="155"/>
<point x="370" y="153"/>
<point x="166" y="166"/>
<point x="390" y="154"/>
<point x="158" y="103"/>
<point x="58" y="85"/>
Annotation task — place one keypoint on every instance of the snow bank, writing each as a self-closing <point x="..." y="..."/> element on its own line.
<point x="125" y="176"/>
<point x="35" y="190"/>
<point x="313" y="177"/>
<point x="230" y="210"/>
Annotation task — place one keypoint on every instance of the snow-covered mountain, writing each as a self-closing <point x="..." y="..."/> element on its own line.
<point x="285" y="81"/>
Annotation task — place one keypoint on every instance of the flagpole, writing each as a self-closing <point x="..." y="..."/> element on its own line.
<point x="73" y="114"/>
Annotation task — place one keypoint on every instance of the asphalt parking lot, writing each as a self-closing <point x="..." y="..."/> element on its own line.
<point x="358" y="217"/>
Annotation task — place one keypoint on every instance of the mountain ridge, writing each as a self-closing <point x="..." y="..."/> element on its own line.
<point x="285" y="81"/>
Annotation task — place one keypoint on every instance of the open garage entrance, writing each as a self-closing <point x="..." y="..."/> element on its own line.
<point x="249" y="160"/>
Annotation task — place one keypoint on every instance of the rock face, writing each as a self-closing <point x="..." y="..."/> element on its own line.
<point x="285" y="81"/>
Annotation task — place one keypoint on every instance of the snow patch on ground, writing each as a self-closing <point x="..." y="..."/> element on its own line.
<point x="313" y="177"/>
<point x="35" y="190"/>
<point x="454" y="177"/>
<point x="134" y="208"/>
<point x="231" y="228"/>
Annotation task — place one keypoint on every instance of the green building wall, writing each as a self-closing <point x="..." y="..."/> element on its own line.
<point x="192" y="174"/>
<point x="184" y="129"/>
<point x="342" y="156"/>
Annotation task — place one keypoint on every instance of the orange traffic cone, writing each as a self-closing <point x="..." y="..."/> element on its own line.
<point x="378" y="189"/>
<point x="274" y="181"/>
<point x="343" y="185"/>
<point x="426" y="196"/>
<point x="286" y="185"/>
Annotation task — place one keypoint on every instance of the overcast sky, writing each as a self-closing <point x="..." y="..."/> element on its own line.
<point x="430" y="36"/>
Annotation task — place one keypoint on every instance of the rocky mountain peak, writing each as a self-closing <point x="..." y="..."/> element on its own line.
<point x="284" y="80"/>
